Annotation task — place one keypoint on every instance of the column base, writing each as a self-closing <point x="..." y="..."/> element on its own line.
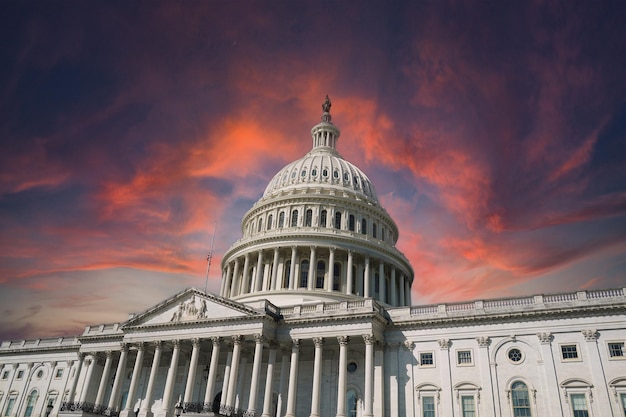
<point x="127" y="413"/>
<point x="145" y="413"/>
<point x="164" y="413"/>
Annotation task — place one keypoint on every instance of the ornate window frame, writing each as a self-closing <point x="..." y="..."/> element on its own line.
<point x="618" y="388"/>
<point x="577" y="386"/>
<point x="467" y="389"/>
<point x="532" y="394"/>
<point x="427" y="390"/>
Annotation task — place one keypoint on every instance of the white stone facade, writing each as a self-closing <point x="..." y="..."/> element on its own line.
<point x="314" y="319"/>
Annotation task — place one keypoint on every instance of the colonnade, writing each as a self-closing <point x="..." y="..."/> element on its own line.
<point x="316" y="268"/>
<point x="234" y="369"/>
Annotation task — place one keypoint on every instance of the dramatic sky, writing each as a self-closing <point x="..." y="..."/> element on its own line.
<point x="494" y="133"/>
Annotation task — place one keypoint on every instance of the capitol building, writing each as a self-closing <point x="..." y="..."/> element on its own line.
<point x="314" y="318"/>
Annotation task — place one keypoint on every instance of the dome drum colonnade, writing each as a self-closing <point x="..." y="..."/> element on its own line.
<point x="318" y="233"/>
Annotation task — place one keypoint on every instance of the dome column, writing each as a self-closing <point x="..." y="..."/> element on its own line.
<point x="292" y="268"/>
<point x="235" y="279"/>
<point x="367" y="279"/>
<point x="331" y="270"/>
<point x="274" y="281"/>
<point x="246" y="275"/>
<point x="259" y="273"/>
<point x="382" y="293"/>
<point x="394" y="288"/>
<point x="312" y="270"/>
<point x="349" y="289"/>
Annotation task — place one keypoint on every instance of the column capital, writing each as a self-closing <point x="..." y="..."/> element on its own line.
<point x="141" y="346"/>
<point x="81" y="356"/>
<point x="483" y="341"/>
<point x="195" y="341"/>
<point x="216" y="340"/>
<point x="237" y="339"/>
<point x="444" y="343"/>
<point x="591" y="335"/>
<point x="259" y="338"/>
<point x="175" y="343"/>
<point x="332" y="250"/>
<point x="124" y="347"/>
<point x="108" y="354"/>
<point x="545" y="338"/>
<point x="318" y="341"/>
<point x="53" y="364"/>
<point x="408" y="345"/>
<point x="157" y="344"/>
<point x="343" y="340"/>
<point x="369" y="339"/>
<point x="295" y="345"/>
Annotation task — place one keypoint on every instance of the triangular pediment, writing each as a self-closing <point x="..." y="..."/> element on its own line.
<point x="191" y="305"/>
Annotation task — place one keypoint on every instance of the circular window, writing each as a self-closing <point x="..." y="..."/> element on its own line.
<point x="40" y="374"/>
<point x="515" y="355"/>
<point x="352" y="366"/>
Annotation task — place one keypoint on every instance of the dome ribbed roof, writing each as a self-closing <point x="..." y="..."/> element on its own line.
<point x="323" y="166"/>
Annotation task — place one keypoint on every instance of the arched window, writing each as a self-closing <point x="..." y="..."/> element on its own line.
<point x="319" y="276"/>
<point x="338" y="220"/>
<point x="323" y="218"/>
<point x="294" y="218"/>
<point x="351" y="223"/>
<point x="304" y="274"/>
<point x="269" y="222"/>
<point x="337" y="277"/>
<point x="520" y="399"/>
<point x="351" y="403"/>
<point x="281" y="219"/>
<point x="374" y="230"/>
<point x="308" y="219"/>
<point x="364" y="226"/>
<point x="30" y="403"/>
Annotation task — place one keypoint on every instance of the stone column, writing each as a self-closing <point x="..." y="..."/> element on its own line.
<point x="368" y="396"/>
<point x="597" y="371"/>
<point x="269" y="379"/>
<point x="382" y="293"/>
<point x="283" y="376"/>
<point x="292" y="268"/>
<point x="407" y="291"/>
<point x="445" y="378"/>
<point x="317" y="377"/>
<point x="349" y="289"/>
<point x="256" y="367"/>
<point x="225" y="292"/>
<point x="215" y="356"/>
<point x="367" y="279"/>
<point x="342" y="375"/>
<point x="234" y="285"/>
<point x="191" y="376"/>
<point x="79" y="367"/>
<point x="293" y="379"/>
<point x="394" y="288"/>
<point x="245" y="282"/>
<point x="104" y="380"/>
<point x="312" y="282"/>
<point x="168" y="392"/>
<point x="402" y="296"/>
<point x="229" y="359"/>
<point x="259" y="273"/>
<point x="331" y="270"/>
<point x="146" y="408"/>
<point x="234" y="371"/>
<point x="134" y="381"/>
<point x="485" y="375"/>
<point x="91" y="363"/>
<point x="274" y="281"/>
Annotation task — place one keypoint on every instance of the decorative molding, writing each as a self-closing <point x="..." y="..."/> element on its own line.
<point x="408" y="345"/>
<point x="545" y="338"/>
<point x="369" y="339"/>
<point x="590" y="335"/>
<point x="483" y="341"/>
<point x="318" y="341"/>
<point x="343" y="340"/>
<point x="444" y="343"/>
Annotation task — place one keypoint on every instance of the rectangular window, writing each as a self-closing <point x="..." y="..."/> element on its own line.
<point x="59" y="373"/>
<point x="5" y="375"/>
<point x="579" y="405"/>
<point x="428" y="406"/>
<point x="569" y="352"/>
<point x="468" y="406"/>
<point x="616" y="350"/>
<point x="427" y="359"/>
<point x="623" y="398"/>
<point x="464" y="357"/>
<point x="10" y="404"/>
<point x="20" y="374"/>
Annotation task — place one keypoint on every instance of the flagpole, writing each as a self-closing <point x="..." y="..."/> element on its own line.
<point x="209" y="257"/>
